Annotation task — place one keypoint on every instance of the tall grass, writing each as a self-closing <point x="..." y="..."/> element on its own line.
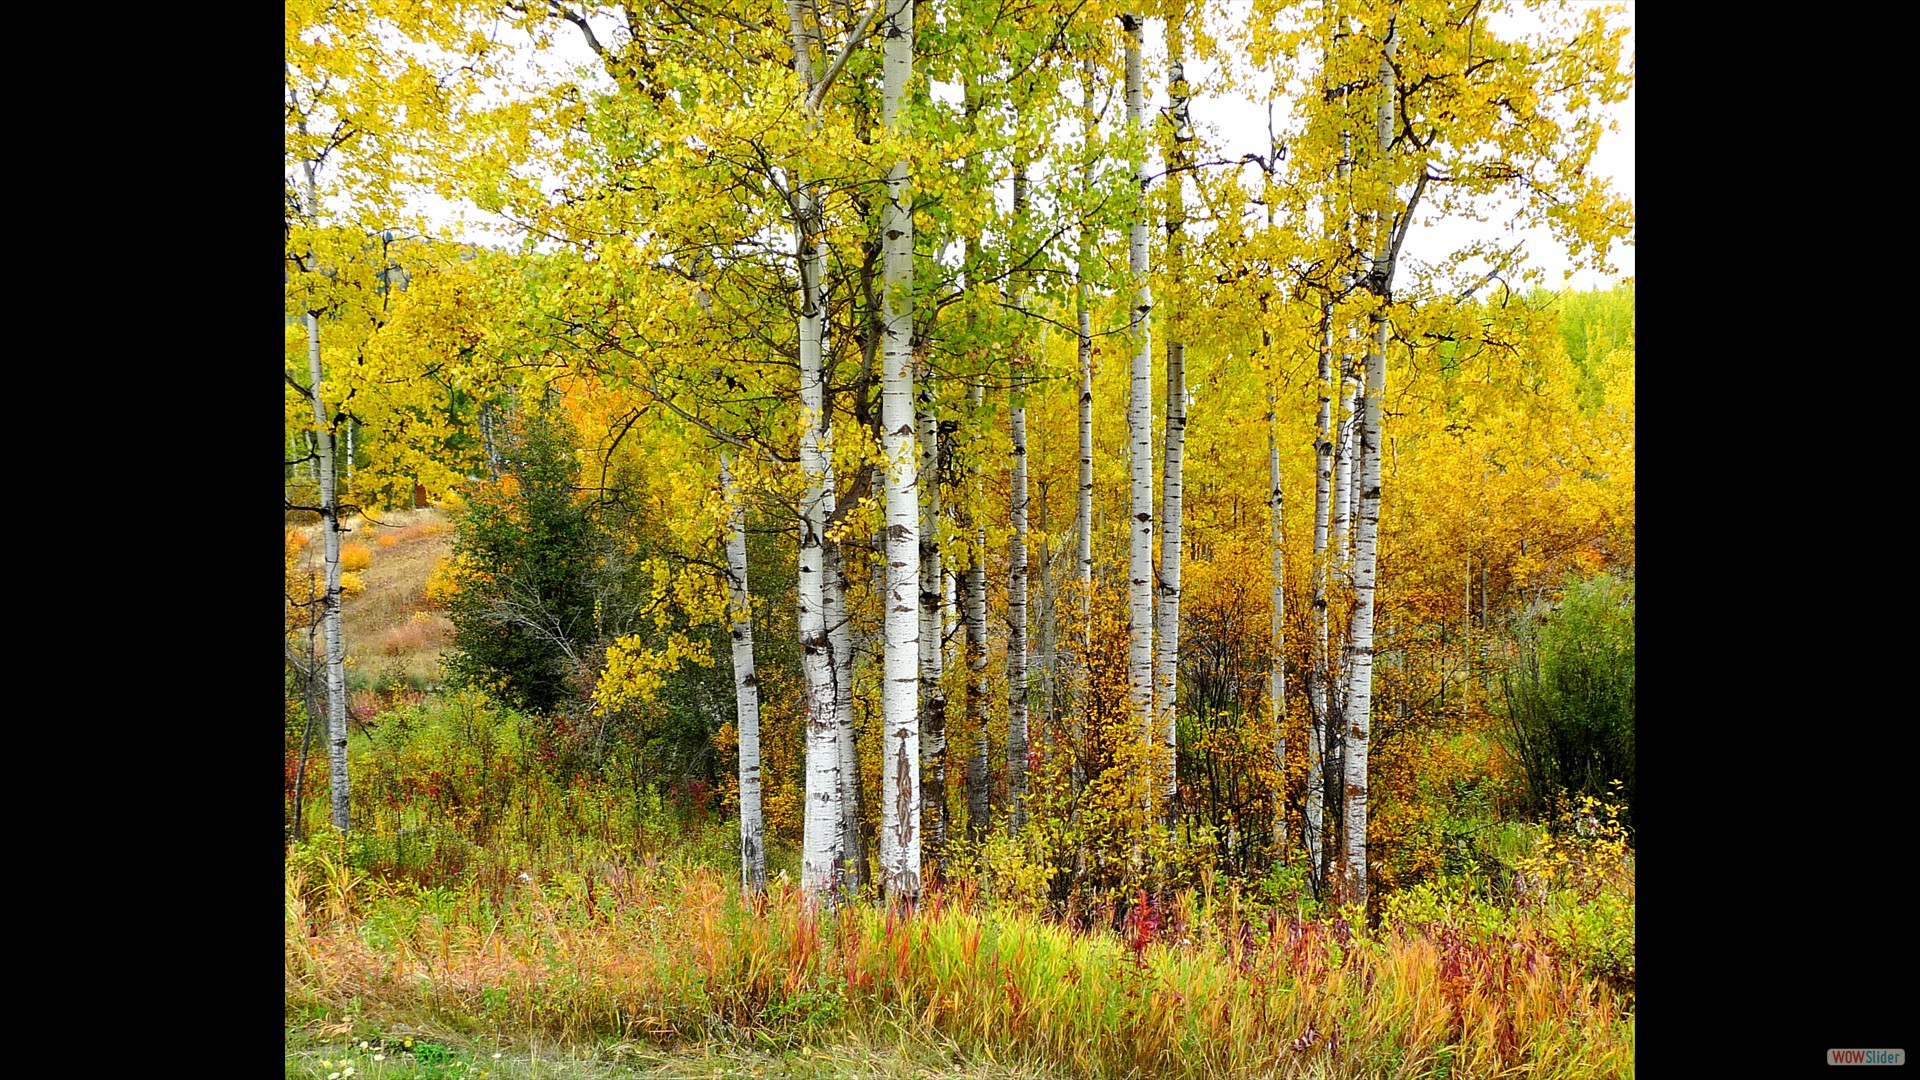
<point x="668" y="953"/>
<point x="496" y="886"/>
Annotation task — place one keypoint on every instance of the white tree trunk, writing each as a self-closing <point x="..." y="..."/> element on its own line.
<point x="949" y="618"/>
<point x="900" y="746"/>
<point x="1017" y="555"/>
<point x="330" y="530"/>
<point x="933" y="697"/>
<point x="1276" y="674"/>
<point x="1314" y="809"/>
<point x="1084" y="508"/>
<point x="336" y="676"/>
<point x="1349" y="402"/>
<point x="979" y="806"/>
<point x="852" y="845"/>
<point x="824" y="817"/>
<point x="1140" y="418"/>
<point x="1360" y="653"/>
<point x="1356" y="465"/>
<point x="746" y="689"/>
<point x="1167" y="625"/>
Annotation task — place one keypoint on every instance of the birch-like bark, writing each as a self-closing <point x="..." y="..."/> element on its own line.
<point x="1139" y="417"/>
<point x="1017" y="555"/>
<point x="933" y="697"/>
<point x="1360" y="652"/>
<point x="824" y="818"/>
<point x="1360" y="662"/>
<point x="336" y="677"/>
<point x="979" y="806"/>
<point x="1356" y="458"/>
<point x="1084" y="509"/>
<point x="949" y="618"/>
<point x="746" y="689"/>
<point x="1349" y="400"/>
<point x="336" y="645"/>
<point x="1314" y="809"/>
<point x="1167" y="627"/>
<point x="852" y="845"/>
<point x="900" y="747"/>
<point x="1276" y="672"/>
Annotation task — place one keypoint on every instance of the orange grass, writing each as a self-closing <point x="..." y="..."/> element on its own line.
<point x="670" y="954"/>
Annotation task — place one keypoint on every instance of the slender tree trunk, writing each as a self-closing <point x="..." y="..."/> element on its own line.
<point x="1356" y="464"/>
<point x="933" y="697"/>
<point x="330" y="528"/>
<point x="1359" y="696"/>
<point x="1360" y="654"/>
<point x="979" y="802"/>
<point x="1315" y="805"/>
<point x="900" y="747"/>
<point x="1084" y="511"/>
<point x="1349" y="399"/>
<point x="949" y="618"/>
<point x="746" y="689"/>
<point x="310" y="685"/>
<point x="853" y="844"/>
<point x="979" y="806"/>
<point x="1167" y="660"/>
<point x="1140" y="419"/>
<point x="1276" y="672"/>
<point x="336" y="646"/>
<point x="820" y="854"/>
<point x="1017" y="555"/>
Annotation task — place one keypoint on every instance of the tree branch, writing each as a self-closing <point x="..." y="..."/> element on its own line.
<point x="819" y="91"/>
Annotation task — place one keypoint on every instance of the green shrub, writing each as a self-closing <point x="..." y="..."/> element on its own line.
<point x="1569" y="698"/>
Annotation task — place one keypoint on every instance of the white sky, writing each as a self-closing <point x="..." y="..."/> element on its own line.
<point x="1237" y="124"/>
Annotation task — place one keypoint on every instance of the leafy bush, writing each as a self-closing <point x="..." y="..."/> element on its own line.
<point x="355" y="555"/>
<point x="1569" y="698"/>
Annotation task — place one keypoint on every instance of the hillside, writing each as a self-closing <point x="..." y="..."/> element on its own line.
<point x="395" y="636"/>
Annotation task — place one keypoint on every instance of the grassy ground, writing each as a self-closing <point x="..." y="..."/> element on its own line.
<point x="326" y="1051"/>
<point x="534" y="929"/>
<point x="393" y="632"/>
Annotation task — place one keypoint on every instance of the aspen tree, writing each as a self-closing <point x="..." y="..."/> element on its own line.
<point x="1017" y="553"/>
<point x="900" y="742"/>
<point x="1167" y="625"/>
<point x="746" y="688"/>
<point x="933" y="695"/>
<point x="1139" y="410"/>
<point x="1320" y="722"/>
<point x="1276" y="671"/>
<point x="329" y="509"/>
<point x="1084" y="509"/>
<point x="979" y="807"/>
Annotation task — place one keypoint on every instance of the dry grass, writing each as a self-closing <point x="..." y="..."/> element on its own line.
<point x="388" y="624"/>
<point x="423" y="632"/>
<point x="668" y="956"/>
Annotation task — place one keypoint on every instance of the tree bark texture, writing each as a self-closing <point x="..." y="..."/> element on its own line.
<point x="746" y="690"/>
<point x="900" y="747"/>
